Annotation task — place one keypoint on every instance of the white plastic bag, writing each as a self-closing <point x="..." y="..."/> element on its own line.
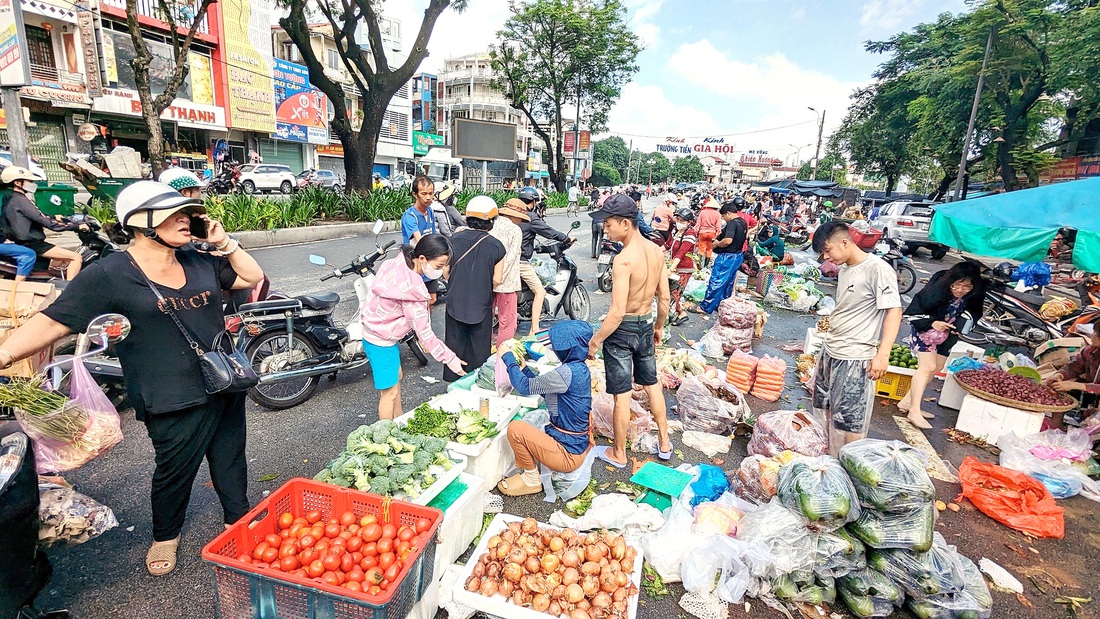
<point x="1036" y="454"/>
<point x="665" y="549"/>
<point x="709" y="444"/>
<point x="568" y="485"/>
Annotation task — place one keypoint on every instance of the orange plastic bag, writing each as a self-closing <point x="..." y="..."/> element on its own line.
<point x="1011" y="498"/>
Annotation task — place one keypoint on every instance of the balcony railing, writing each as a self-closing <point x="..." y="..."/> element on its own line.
<point x="481" y="73"/>
<point x="183" y="13"/>
<point x="51" y="74"/>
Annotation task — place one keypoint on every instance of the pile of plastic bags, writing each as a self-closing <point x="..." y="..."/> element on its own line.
<point x="1054" y="458"/>
<point x="757" y="477"/>
<point x="707" y="403"/>
<point x="898" y="495"/>
<point x="818" y="490"/>
<point x="779" y="431"/>
<point x="733" y="330"/>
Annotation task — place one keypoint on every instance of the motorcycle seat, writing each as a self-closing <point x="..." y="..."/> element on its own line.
<point x="322" y="301"/>
<point x="1026" y="297"/>
<point x="272" y="305"/>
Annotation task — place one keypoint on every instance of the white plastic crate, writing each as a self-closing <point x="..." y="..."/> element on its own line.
<point x="526" y="401"/>
<point x="461" y="523"/>
<point x="989" y="421"/>
<point x="497" y="459"/>
<point x="443" y="480"/>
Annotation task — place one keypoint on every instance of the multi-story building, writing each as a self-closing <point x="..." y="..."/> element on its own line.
<point x="468" y="93"/>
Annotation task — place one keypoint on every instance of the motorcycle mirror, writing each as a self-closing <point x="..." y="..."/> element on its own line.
<point x="112" y="327"/>
<point x="575" y="225"/>
<point x="378" y="225"/>
<point x="318" y="260"/>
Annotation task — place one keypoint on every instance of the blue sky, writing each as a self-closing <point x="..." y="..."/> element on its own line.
<point x="719" y="67"/>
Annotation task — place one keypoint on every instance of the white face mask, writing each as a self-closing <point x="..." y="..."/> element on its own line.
<point x="431" y="272"/>
<point x="681" y="225"/>
<point x="29" y="187"/>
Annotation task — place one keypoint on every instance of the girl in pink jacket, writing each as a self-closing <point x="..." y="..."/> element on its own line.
<point x="397" y="303"/>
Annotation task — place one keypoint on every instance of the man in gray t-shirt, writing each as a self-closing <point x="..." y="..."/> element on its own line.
<point x="862" y="330"/>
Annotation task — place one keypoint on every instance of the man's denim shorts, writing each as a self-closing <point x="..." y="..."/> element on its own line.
<point x="628" y="353"/>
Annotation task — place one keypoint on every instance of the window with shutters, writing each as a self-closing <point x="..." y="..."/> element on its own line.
<point x="395" y="126"/>
<point x="40" y="47"/>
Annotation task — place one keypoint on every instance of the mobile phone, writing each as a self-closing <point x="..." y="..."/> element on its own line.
<point x="198" y="227"/>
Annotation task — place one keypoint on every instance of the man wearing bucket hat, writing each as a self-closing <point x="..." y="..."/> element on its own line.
<point x="477" y="267"/>
<point x="25" y="225"/>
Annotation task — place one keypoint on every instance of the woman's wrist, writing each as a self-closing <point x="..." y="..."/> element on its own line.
<point x="221" y="246"/>
<point x="6" y="359"/>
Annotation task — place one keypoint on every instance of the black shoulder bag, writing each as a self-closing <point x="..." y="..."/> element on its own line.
<point x="222" y="372"/>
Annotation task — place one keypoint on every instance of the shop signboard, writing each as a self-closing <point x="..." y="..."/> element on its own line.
<point x="674" y="146"/>
<point x="1065" y="170"/>
<point x="14" y="67"/>
<point x="331" y="150"/>
<point x="86" y="25"/>
<point x="246" y="39"/>
<point x="423" y="142"/>
<point x="300" y="109"/>
<point x="182" y="111"/>
<point x="1088" y="167"/>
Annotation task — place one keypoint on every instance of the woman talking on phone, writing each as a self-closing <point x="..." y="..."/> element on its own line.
<point x="159" y="280"/>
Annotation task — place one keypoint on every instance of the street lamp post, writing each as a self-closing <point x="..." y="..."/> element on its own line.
<point x="798" y="152"/>
<point x="820" y="130"/>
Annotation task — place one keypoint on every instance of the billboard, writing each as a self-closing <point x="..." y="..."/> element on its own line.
<point x="14" y="70"/>
<point x="246" y="39"/>
<point x="423" y="142"/>
<point x="300" y="110"/>
<point x="675" y="146"/>
<point x="567" y="143"/>
<point x="483" y="140"/>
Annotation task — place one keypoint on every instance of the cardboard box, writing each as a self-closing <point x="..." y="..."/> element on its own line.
<point x="17" y="304"/>
<point x="1059" y="352"/>
<point x="1046" y="370"/>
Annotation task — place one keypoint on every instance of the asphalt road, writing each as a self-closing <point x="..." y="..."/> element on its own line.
<point x="106" y="577"/>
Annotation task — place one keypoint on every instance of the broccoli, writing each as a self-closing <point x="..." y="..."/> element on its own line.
<point x="426" y="479"/>
<point x="362" y="481"/>
<point x="382" y="485"/>
<point x="341" y="481"/>
<point x="434" y="445"/>
<point x="422" y="460"/>
<point x="400" y="446"/>
<point x="411" y="488"/>
<point x="378" y="465"/>
<point x="382" y="429"/>
<point x="400" y="473"/>
<point x="404" y="457"/>
<point x="442" y="460"/>
<point x="324" y="476"/>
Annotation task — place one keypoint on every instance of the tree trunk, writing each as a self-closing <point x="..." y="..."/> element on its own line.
<point x="156" y="141"/>
<point x="891" y="183"/>
<point x="944" y="185"/>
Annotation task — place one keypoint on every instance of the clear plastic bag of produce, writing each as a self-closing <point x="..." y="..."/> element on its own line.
<point x="721" y="516"/>
<point x="603" y="409"/>
<point x="665" y="548"/>
<point x="792" y="546"/>
<point x="547" y="270"/>
<point x="921" y="574"/>
<point x="770" y="378"/>
<point x="869" y="593"/>
<point x="805" y="589"/>
<point x="778" y="431"/>
<point x="737" y="312"/>
<point x="722" y="565"/>
<point x="68" y="516"/>
<point x="838" y="553"/>
<point x="820" y="491"/>
<point x="757" y="477"/>
<point x="566" y="486"/>
<point x="889" y="476"/>
<point x="953" y="606"/>
<point x="696" y="289"/>
<point x="711" y="345"/>
<point x="864" y="605"/>
<point x="710" y="405"/>
<point x="1048" y="457"/>
<point x="910" y="530"/>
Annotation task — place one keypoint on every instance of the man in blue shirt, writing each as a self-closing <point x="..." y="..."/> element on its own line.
<point x="419" y="219"/>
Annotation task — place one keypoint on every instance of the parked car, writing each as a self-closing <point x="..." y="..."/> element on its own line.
<point x="908" y="222"/>
<point x="398" y="181"/>
<point x="321" y="178"/>
<point x="267" y="177"/>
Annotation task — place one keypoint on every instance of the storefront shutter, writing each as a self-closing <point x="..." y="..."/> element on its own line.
<point x="283" y="153"/>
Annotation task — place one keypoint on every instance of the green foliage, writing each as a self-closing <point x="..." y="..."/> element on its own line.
<point x="612" y="152"/>
<point x="103" y="210"/>
<point x="604" y="175"/>
<point x="650" y="167"/>
<point x="688" y="169"/>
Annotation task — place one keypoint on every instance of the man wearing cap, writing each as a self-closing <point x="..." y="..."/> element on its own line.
<point x="506" y="230"/>
<point x="477" y="266"/>
<point x="662" y="216"/>
<point x="629" y="332"/>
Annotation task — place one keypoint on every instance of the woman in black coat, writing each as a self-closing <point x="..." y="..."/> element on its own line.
<point x="936" y="309"/>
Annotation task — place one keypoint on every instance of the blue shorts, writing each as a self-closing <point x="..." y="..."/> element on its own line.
<point x="385" y="363"/>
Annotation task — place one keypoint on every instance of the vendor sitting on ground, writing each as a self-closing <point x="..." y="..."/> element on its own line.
<point x="769" y="240"/>
<point x="1083" y="373"/>
<point x="563" y="444"/>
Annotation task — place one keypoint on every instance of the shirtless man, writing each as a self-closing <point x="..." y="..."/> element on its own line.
<point x="628" y="333"/>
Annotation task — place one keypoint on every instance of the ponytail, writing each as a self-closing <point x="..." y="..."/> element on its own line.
<point x="430" y="246"/>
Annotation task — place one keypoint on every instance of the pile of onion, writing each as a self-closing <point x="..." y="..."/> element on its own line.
<point x="561" y="573"/>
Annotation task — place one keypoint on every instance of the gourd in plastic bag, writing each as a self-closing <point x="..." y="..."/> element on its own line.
<point x="957" y="606"/>
<point x="757" y="477"/>
<point x="889" y="476"/>
<point x="710" y="405"/>
<point x="805" y="589"/>
<point x="696" y="289"/>
<point x="603" y="413"/>
<point x="864" y="605"/>
<point x="778" y="431"/>
<point x="790" y="543"/>
<point x="910" y="530"/>
<point x="838" y="553"/>
<point x="921" y="574"/>
<point x="820" y="491"/>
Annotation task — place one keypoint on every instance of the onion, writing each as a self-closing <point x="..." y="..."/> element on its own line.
<point x="615" y="566"/>
<point x="532" y="565"/>
<point x="529" y="526"/>
<point x="619" y="595"/>
<point x="570" y="558"/>
<point x="592" y="539"/>
<point x="508" y="536"/>
<point x="550" y="563"/>
<point x="493" y="541"/>
<point x="601" y="600"/>
<point x="513" y="572"/>
<point x="619" y="606"/>
<point x="520" y="597"/>
<point x="544" y="536"/>
<point x="553" y="580"/>
<point x="514" y="528"/>
<point x="590" y="568"/>
<point x="555" y="608"/>
<point x="484" y="558"/>
<point x="590" y="585"/>
<point x="558" y="593"/>
<point x="579" y="614"/>
<point x="479" y="570"/>
<point x="630" y="553"/>
<point x="488" y="587"/>
<point x="473" y="583"/>
<point x="505" y="588"/>
<point x="573" y="593"/>
<point x="570" y="576"/>
<point x="627" y="564"/>
<point x="503" y="549"/>
<point x="540" y="602"/>
<point x="494" y="570"/>
<point x="622" y="579"/>
<point x="584" y="605"/>
<point x="608" y="582"/>
<point x="556" y="544"/>
<point x="618" y="548"/>
<point x="517" y="555"/>
<point x="592" y="553"/>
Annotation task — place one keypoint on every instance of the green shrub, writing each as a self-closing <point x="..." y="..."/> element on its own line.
<point x="103" y="210"/>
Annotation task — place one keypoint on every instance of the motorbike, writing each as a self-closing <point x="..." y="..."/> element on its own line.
<point x="608" y="250"/>
<point x="566" y="291"/>
<point x="94" y="244"/>
<point x="292" y="342"/>
<point x="226" y="181"/>
<point x="890" y="251"/>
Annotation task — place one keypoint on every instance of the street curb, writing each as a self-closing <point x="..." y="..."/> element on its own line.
<point x="260" y="239"/>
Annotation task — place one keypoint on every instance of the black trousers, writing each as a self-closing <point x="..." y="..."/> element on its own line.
<point x="215" y="431"/>
<point x="472" y="343"/>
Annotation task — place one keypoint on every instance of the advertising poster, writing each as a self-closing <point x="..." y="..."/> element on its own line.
<point x="246" y="36"/>
<point x="300" y="109"/>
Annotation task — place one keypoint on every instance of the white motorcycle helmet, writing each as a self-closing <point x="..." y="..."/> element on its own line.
<point x="180" y="179"/>
<point x="146" y="204"/>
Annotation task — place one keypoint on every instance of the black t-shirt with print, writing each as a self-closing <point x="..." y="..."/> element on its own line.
<point x="735" y="229"/>
<point x="470" y="287"/>
<point x="162" y="371"/>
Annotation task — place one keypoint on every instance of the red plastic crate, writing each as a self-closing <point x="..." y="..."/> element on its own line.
<point x="865" y="241"/>
<point x="245" y="591"/>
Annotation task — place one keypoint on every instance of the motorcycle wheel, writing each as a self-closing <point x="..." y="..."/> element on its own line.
<point x="604" y="281"/>
<point x="287" y="393"/>
<point x="414" y="346"/>
<point x="578" y="306"/>
<point x="907" y="278"/>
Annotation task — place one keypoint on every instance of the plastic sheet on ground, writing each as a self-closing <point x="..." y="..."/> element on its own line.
<point x="889" y="476"/>
<point x="70" y="517"/>
<point x="1011" y="498"/>
<point x="819" y="490"/>
<point x="709" y="444"/>
<point x="1048" y="457"/>
<point x="778" y="431"/>
<point x="613" y="511"/>
<point x="710" y="404"/>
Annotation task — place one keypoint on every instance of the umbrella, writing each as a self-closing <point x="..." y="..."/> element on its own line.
<point x="1020" y="225"/>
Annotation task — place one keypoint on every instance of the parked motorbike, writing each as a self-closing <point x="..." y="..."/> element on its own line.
<point x="292" y="342"/>
<point x="94" y="244"/>
<point x="890" y="251"/>
<point x="608" y="250"/>
<point x="566" y="291"/>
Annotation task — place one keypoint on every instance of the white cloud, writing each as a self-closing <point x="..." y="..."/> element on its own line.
<point x="455" y="34"/>
<point x="641" y="17"/>
<point x="887" y="15"/>
<point x="645" y="111"/>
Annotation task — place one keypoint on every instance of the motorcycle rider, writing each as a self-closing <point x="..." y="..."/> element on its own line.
<point x="447" y="217"/>
<point x="537" y="226"/>
<point x="25" y="225"/>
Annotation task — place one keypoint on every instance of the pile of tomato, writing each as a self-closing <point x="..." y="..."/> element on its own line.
<point x="358" y="554"/>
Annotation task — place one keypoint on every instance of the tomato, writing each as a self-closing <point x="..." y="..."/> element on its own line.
<point x="351" y="585"/>
<point x="405" y="534"/>
<point x="285" y="520"/>
<point x="392" y="572"/>
<point x="245" y="558"/>
<point x="307" y="541"/>
<point x="385" y="545"/>
<point x="348" y="518"/>
<point x="346" y="535"/>
<point x="357" y="557"/>
<point x="375" y="590"/>
<point x="354" y="543"/>
<point x="271" y="554"/>
<point x="258" y="551"/>
<point x="287" y="550"/>
<point x="356" y="574"/>
<point x="341" y="577"/>
<point x="332" y="530"/>
<point x="330" y="578"/>
<point x="365" y="563"/>
<point x="370" y="549"/>
<point x="273" y="540"/>
<point x="371" y="532"/>
<point x="386" y="559"/>
<point x="333" y="521"/>
<point x="347" y="562"/>
<point x="285" y="533"/>
<point x="331" y="563"/>
<point x="337" y="550"/>
<point x="354" y="529"/>
<point x="368" y="519"/>
<point x="389" y="530"/>
<point x="402" y="548"/>
<point x="297" y="531"/>
<point x="315" y="569"/>
<point x="313" y="516"/>
<point x="288" y="564"/>
<point x="373" y="576"/>
<point x="317" y="531"/>
<point x="301" y="520"/>
<point x="322" y="545"/>
<point x="423" y="524"/>
<point x="300" y="573"/>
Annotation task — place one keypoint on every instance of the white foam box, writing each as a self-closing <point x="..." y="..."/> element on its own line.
<point x="990" y="421"/>
<point x="951" y="396"/>
<point x="813" y="343"/>
<point x="497" y="459"/>
<point x="461" y="524"/>
<point x="526" y="401"/>
<point x="959" y="350"/>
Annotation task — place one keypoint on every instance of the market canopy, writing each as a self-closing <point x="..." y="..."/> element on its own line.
<point x="1021" y="225"/>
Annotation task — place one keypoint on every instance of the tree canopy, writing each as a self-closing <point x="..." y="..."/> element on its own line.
<point x="688" y="169"/>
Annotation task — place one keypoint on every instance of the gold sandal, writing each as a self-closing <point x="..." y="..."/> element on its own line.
<point x="161" y="553"/>
<point x="515" y="486"/>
